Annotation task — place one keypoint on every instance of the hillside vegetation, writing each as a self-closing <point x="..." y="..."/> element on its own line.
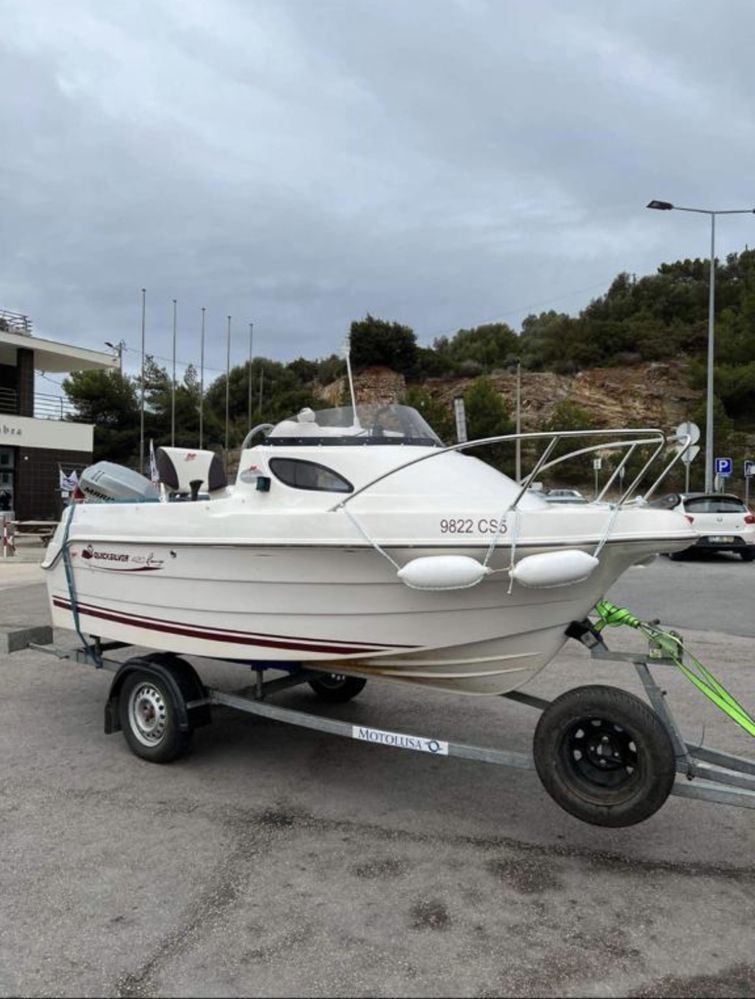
<point x="651" y="330"/>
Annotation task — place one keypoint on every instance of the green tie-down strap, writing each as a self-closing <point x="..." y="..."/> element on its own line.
<point x="671" y="647"/>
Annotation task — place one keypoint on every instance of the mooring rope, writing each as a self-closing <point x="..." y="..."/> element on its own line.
<point x="88" y="649"/>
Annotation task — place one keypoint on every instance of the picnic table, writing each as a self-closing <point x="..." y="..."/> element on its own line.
<point x="43" y="529"/>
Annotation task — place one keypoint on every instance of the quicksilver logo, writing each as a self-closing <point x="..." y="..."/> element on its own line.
<point x="90" y="552"/>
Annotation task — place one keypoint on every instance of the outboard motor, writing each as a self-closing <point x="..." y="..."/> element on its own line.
<point x="107" y="481"/>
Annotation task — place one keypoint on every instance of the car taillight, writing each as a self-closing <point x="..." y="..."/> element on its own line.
<point x="749" y="518"/>
<point x="690" y="519"/>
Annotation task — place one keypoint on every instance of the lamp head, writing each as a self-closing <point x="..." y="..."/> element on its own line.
<point x="663" y="206"/>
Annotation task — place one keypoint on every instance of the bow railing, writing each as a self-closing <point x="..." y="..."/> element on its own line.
<point x="610" y="440"/>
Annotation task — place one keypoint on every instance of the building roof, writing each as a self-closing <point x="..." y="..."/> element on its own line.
<point x="49" y="355"/>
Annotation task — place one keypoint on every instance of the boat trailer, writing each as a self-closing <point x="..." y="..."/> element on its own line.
<point x="593" y="749"/>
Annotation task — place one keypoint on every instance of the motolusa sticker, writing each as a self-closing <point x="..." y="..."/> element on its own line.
<point x="399" y="740"/>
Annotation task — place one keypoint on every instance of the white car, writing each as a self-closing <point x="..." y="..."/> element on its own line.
<point x="564" y="496"/>
<point x="723" y="522"/>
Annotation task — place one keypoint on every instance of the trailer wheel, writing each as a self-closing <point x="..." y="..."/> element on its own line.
<point x="604" y="756"/>
<point x="147" y="713"/>
<point x="336" y="687"/>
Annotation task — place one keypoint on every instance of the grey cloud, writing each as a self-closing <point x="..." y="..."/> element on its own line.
<point x="301" y="164"/>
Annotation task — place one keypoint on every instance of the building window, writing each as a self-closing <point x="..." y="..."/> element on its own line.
<point x="6" y="479"/>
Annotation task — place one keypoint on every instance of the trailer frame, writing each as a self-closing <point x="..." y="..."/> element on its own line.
<point x="702" y="773"/>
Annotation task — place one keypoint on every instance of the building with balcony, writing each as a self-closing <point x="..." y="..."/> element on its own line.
<point x="38" y="437"/>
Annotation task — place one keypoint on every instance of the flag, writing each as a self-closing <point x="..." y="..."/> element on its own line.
<point x="154" y="475"/>
<point x="68" y="483"/>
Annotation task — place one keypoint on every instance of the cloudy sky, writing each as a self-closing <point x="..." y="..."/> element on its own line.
<point x="298" y="163"/>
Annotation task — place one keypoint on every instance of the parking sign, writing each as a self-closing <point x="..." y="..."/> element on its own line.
<point x="724" y="467"/>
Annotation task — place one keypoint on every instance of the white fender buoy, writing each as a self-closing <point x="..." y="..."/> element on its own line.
<point x="554" y="568"/>
<point x="442" y="572"/>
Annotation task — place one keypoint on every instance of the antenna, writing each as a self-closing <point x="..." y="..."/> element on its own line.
<point x="346" y="351"/>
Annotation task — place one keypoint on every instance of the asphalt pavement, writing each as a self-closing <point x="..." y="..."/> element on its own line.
<point x="712" y="593"/>
<point x="279" y="861"/>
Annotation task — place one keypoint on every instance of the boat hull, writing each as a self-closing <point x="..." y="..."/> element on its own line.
<point x="336" y="609"/>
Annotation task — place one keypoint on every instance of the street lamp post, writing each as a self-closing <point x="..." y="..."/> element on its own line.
<point x="141" y="401"/>
<point x="173" y="384"/>
<point x="249" y="374"/>
<point x="201" y="382"/>
<point x="227" y="390"/>
<point x="666" y="206"/>
<point x="118" y="348"/>
<point x="518" y="419"/>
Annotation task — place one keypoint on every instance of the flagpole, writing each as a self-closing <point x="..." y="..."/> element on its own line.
<point x="173" y="393"/>
<point x="154" y="475"/>
<point x="227" y="386"/>
<point x="201" y="386"/>
<point x="141" y="405"/>
<point x="251" y="335"/>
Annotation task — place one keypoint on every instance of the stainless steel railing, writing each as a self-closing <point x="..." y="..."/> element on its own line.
<point x="53" y="407"/>
<point x="15" y="322"/>
<point x="627" y="440"/>
<point x="46" y="407"/>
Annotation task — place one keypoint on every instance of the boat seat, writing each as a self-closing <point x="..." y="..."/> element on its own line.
<point x="178" y="467"/>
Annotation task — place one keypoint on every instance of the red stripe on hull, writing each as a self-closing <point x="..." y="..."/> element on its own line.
<point x="219" y="635"/>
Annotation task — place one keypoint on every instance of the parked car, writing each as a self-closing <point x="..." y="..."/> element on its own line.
<point x="564" y="496"/>
<point x="723" y="521"/>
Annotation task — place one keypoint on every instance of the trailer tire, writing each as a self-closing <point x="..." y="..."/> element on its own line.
<point x="604" y="756"/>
<point x="149" y="718"/>
<point x="336" y="687"/>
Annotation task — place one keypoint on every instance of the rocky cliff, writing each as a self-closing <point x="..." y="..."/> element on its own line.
<point x="645" y="395"/>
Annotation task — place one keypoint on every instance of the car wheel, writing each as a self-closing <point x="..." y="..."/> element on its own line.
<point x="748" y="556"/>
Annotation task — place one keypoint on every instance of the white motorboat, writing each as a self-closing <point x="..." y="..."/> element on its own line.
<point x="354" y="542"/>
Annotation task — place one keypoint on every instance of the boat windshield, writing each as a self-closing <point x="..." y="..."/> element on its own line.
<point x="367" y="424"/>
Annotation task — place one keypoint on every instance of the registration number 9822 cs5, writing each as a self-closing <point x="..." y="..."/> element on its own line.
<point x="472" y="525"/>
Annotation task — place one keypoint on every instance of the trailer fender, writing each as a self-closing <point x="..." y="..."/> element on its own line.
<point x="181" y="679"/>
